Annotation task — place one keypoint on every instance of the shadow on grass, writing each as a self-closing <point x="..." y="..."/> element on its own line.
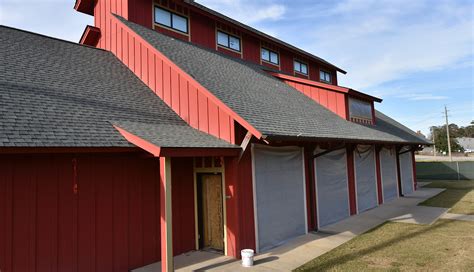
<point x="331" y="262"/>
<point x="446" y="199"/>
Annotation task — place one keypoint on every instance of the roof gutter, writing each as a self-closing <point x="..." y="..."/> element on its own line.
<point x="344" y="140"/>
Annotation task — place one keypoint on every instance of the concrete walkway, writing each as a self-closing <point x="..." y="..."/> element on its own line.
<point x="305" y="248"/>
<point x="462" y="217"/>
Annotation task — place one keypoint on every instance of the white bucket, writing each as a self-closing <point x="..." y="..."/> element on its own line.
<point x="247" y="257"/>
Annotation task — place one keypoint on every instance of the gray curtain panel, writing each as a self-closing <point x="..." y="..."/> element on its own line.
<point x="406" y="173"/>
<point x="280" y="194"/>
<point x="388" y="165"/>
<point x="366" y="177"/>
<point x="331" y="186"/>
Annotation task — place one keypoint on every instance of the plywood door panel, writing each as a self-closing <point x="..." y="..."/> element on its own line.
<point x="212" y="212"/>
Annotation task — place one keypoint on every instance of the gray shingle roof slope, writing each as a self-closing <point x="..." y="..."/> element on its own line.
<point x="271" y="106"/>
<point x="165" y="135"/>
<point x="55" y="93"/>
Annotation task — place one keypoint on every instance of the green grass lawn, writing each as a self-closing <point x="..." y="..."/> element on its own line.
<point x="447" y="245"/>
<point x="459" y="196"/>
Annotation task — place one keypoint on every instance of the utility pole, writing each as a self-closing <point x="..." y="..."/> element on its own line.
<point x="447" y="133"/>
<point x="433" y="132"/>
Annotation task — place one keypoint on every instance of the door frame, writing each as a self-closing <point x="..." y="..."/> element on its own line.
<point x="212" y="171"/>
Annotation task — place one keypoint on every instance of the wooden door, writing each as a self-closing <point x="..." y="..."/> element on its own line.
<point x="212" y="212"/>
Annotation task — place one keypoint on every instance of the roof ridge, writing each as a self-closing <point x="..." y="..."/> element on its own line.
<point x="50" y="37"/>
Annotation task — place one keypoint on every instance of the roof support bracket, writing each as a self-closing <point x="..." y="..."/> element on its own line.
<point x="329" y="151"/>
<point x="245" y="143"/>
<point x="406" y="151"/>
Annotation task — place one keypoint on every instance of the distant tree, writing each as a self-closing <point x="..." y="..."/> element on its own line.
<point x="467" y="131"/>
<point x="441" y="139"/>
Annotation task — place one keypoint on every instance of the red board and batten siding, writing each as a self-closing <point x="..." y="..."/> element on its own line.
<point x="202" y="31"/>
<point x="110" y="224"/>
<point x="240" y="222"/>
<point x="332" y="100"/>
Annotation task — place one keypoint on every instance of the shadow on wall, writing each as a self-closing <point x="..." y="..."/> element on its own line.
<point x="445" y="170"/>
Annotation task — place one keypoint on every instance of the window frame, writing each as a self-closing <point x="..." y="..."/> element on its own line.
<point x="228" y="41"/>
<point x="269" y="61"/>
<point x="172" y="14"/>
<point x="300" y="63"/>
<point x="368" y="104"/>
<point x="326" y="72"/>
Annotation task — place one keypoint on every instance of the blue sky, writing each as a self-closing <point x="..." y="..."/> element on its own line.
<point x="418" y="55"/>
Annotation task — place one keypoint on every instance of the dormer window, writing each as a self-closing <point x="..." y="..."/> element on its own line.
<point x="301" y="68"/>
<point x="325" y="76"/>
<point x="360" y="111"/>
<point x="270" y="56"/>
<point x="171" y="20"/>
<point x="228" y="41"/>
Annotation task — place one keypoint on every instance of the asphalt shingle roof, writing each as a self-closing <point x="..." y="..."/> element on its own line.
<point x="166" y="135"/>
<point x="271" y="106"/>
<point x="55" y="93"/>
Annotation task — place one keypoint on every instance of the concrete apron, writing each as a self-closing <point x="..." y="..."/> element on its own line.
<point x="303" y="249"/>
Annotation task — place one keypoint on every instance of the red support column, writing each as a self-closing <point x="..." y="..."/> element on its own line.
<point x="166" y="215"/>
<point x="232" y="207"/>
<point x="310" y="188"/>
<point x="399" y="178"/>
<point x="351" y="180"/>
<point x="415" y="184"/>
<point x="379" y="175"/>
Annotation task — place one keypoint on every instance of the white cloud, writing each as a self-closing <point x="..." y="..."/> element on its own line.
<point x="55" y="18"/>
<point x="246" y="11"/>
<point x="381" y="41"/>
<point x="422" y="97"/>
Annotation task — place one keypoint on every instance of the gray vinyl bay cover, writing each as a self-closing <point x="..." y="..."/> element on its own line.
<point x="406" y="172"/>
<point x="366" y="177"/>
<point x="388" y="167"/>
<point x="279" y="187"/>
<point x="331" y="187"/>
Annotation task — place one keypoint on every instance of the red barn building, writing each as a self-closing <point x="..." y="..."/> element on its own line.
<point x="174" y="128"/>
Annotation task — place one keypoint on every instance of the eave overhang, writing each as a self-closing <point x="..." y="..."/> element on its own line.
<point x="90" y="36"/>
<point x="316" y="140"/>
<point x="330" y="87"/>
<point x="169" y="151"/>
<point x="85" y="6"/>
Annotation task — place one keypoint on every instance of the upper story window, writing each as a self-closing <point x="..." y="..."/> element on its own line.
<point x="171" y="20"/>
<point x="228" y="41"/>
<point x="359" y="109"/>
<point x="270" y="56"/>
<point x="301" y="67"/>
<point x="325" y="76"/>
